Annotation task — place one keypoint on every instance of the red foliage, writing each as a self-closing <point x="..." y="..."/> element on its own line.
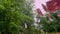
<point x="53" y="5"/>
<point x="39" y="12"/>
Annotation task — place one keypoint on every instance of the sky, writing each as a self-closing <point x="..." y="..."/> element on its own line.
<point x="38" y="3"/>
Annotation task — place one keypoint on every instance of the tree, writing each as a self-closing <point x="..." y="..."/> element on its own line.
<point x="12" y="17"/>
<point x="52" y="23"/>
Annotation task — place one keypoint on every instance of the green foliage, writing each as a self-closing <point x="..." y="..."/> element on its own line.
<point x="12" y="17"/>
<point x="48" y="25"/>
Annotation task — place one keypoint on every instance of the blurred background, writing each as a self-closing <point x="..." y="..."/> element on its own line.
<point x="29" y="16"/>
